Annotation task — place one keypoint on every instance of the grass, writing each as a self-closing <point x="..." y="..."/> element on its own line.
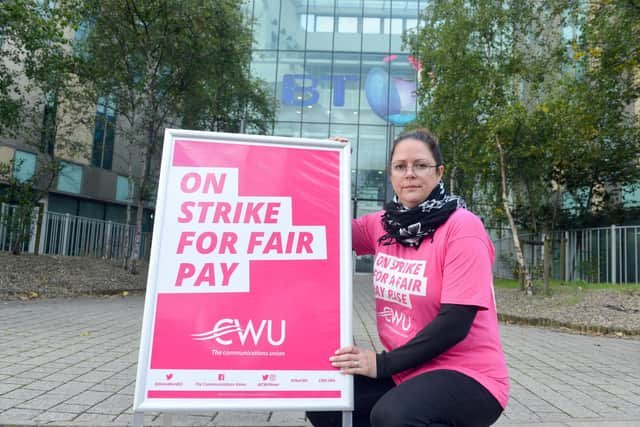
<point x="560" y="285"/>
<point x="506" y="283"/>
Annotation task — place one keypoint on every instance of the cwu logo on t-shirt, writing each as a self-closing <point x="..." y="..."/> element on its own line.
<point x="399" y="320"/>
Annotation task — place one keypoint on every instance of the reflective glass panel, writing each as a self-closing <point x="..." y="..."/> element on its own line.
<point x="291" y="36"/>
<point x="266" y="27"/>
<point x="348" y="36"/>
<point x="263" y="66"/>
<point x="320" y="35"/>
<point x="402" y="99"/>
<point x="24" y="165"/>
<point x="295" y="90"/>
<point x="70" y="178"/>
<point x="315" y="130"/>
<point x="371" y="162"/>
<point x="324" y="24"/>
<point x="374" y="87"/>
<point x="411" y="24"/>
<point x="318" y="85"/>
<point x="404" y="16"/>
<point x="350" y="132"/>
<point x="291" y="129"/>
<point x="345" y="93"/>
<point x="392" y="26"/>
<point x="307" y="22"/>
<point x="374" y="14"/>
<point x="122" y="189"/>
<point x="371" y="25"/>
<point x="347" y="24"/>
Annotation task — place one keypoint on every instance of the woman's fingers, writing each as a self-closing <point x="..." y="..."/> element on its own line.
<point x="339" y="138"/>
<point x="347" y="350"/>
<point x="352" y="360"/>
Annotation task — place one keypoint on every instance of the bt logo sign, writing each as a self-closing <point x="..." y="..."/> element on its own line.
<point x="303" y="88"/>
<point x="392" y="99"/>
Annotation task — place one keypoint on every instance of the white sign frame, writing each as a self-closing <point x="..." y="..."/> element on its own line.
<point x="343" y="403"/>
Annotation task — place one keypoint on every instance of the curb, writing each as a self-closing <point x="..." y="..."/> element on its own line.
<point x="558" y="324"/>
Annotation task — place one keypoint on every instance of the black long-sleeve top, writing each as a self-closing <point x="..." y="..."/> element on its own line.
<point x="449" y="327"/>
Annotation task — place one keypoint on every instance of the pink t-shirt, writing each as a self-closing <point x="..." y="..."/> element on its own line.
<point x="411" y="284"/>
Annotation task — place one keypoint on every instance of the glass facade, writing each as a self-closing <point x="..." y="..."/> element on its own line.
<point x="337" y="68"/>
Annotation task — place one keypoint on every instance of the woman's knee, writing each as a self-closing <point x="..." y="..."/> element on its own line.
<point x="388" y="416"/>
<point x="385" y="414"/>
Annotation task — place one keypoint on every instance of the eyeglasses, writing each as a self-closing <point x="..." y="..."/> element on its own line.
<point x="399" y="169"/>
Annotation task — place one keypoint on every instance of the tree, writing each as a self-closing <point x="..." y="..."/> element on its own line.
<point x="541" y="113"/>
<point x="450" y="87"/>
<point x="20" y="200"/>
<point x="486" y="63"/>
<point x="599" y="98"/>
<point x="35" y="84"/>
<point x="169" y="63"/>
<point x="222" y="96"/>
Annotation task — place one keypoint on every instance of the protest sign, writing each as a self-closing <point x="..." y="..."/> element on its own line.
<point x="249" y="286"/>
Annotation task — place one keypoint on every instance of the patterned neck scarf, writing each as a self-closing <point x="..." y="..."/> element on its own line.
<point x="410" y="226"/>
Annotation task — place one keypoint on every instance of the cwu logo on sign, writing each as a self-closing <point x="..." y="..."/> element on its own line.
<point x="226" y="330"/>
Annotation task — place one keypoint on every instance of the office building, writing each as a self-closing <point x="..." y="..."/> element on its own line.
<point x="338" y="68"/>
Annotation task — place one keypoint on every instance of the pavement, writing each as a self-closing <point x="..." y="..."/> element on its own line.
<point x="72" y="362"/>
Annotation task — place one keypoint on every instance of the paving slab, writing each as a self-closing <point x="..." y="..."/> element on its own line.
<point x="72" y="362"/>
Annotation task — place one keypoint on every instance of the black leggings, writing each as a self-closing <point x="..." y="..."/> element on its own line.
<point x="436" y="398"/>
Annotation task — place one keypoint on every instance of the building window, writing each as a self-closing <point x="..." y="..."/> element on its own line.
<point x="104" y="134"/>
<point x="24" y="166"/>
<point x="411" y="24"/>
<point x="347" y="24"/>
<point x="393" y="26"/>
<point x="69" y="178"/>
<point x="324" y="24"/>
<point x="48" y="136"/>
<point x="371" y="25"/>
<point x="122" y="189"/>
<point x="308" y="22"/>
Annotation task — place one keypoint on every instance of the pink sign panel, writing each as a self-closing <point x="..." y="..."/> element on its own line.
<point x="247" y="289"/>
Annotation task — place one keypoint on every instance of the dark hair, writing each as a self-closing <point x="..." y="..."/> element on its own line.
<point x="423" y="135"/>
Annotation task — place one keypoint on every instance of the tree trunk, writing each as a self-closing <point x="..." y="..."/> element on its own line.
<point x="452" y="180"/>
<point x="140" y="196"/>
<point x="548" y="239"/>
<point x="135" y="250"/>
<point x="546" y="266"/>
<point x="147" y="153"/>
<point x="127" y="226"/>
<point x="525" y="278"/>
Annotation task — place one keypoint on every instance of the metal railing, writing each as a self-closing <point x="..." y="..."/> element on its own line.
<point x="69" y="235"/>
<point x="12" y="224"/>
<point x="603" y="254"/>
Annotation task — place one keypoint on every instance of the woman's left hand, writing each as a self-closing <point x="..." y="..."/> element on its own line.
<point x="353" y="360"/>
